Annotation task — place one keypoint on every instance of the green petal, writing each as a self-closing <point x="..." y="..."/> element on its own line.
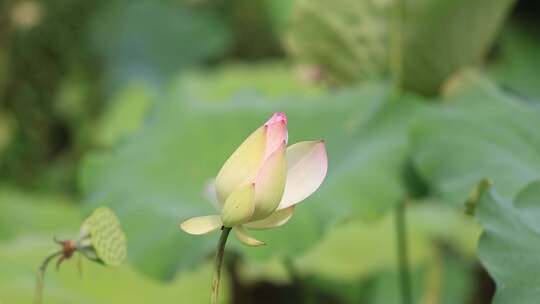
<point x="270" y="184"/>
<point x="242" y="165"/>
<point x="239" y="206"/>
<point x="243" y="237"/>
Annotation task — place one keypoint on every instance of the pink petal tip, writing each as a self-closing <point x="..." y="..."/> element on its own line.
<point x="278" y="117"/>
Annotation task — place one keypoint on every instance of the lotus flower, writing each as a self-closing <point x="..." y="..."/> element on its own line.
<point x="262" y="181"/>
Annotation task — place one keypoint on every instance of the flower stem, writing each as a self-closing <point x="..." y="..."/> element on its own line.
<point x="38" y="295"/>
<point x="402" y="252"/>
<point x="219" y="261"/>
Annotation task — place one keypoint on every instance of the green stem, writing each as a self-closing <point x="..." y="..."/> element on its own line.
<point x="38" y="295"/>
<point x="219" y="261"/>
<point x="402" y="252"/>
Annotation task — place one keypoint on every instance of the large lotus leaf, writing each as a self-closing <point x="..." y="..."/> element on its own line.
<point x="479" y="132"/>
<point x="158" y="177"/>
<point x="359" y="250"/>
<point x="518" y="60"/>
<point x="356" y="262"/>
<point x="124" y="113"/>
<point x="272" y="79"/>
<point x="152" y="40"/>
<point x="19" y="260"/>
<point x="444" y="279"/>
<point x="443" y="36"/>
<point x="510" y="243"/>
<point x="351" y="40"/>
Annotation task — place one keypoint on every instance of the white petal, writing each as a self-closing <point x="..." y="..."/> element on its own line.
<point x="243" y="237"/>
<point x="202" y="224"/>
<point x="307" y="166"/>
<point x="270" y="184"/>
<point x="239" y="206"/>
<point x="275" y="219"/>
<point x="242" y="165"/>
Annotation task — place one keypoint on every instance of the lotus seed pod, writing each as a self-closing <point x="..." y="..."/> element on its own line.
<point x="105" y="235"/>
<point x="346" y="39"/>
<point x="350" y="39"/>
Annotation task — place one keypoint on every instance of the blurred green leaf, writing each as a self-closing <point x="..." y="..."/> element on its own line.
<point x="6" y="131"/>
<point x="153" y="40"/>
<point x="159" y="176"/>
<point x="125" y="113"/>
<point x="336" y="257"/>
<point x="518" y="60"/>
<point x="479" y="132"/>
<point x="358" y="250"/>
<point x="251" y="24"/>
<point x="444" y="279"/>
<point x="443" y="36"/>
<point x="51" y="89"/>
<point x="509" y="245"/>
<point x="279" y="12"/>
<point x="37" y="213"/>
<point x="270" y="79"/>
<point x="357" y="262"/>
